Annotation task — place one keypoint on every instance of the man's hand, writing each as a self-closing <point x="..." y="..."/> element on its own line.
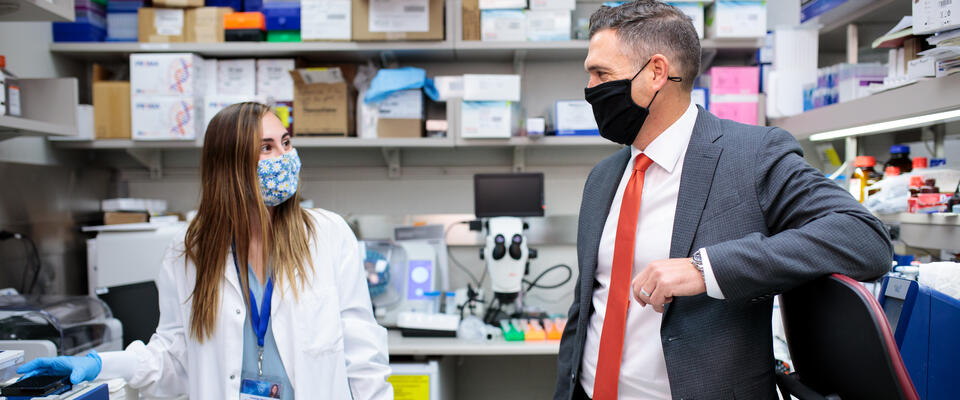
<point x="663" y="279"/>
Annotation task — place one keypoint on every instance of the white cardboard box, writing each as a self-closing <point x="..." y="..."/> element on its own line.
<point x="325" y="19"/>
<point x="214" y="104"/>
<point x="273" y="79"/>
<point x="503" y="4"/>
<point x="404" y="104"/>
<point x="169" y="74"/>
<point x="237" y="77"/>
<point x="553" y="4"/>
<point x="574" y="117"/>
<point x="503" y="26"/>
<point x="695" y="12"/>
<point x="737" y="19"/>
<point x="164" y="118"/>
<point x="483" y="87"/>
<point x="488" y="119"/>
<point x="923" y="67"/>
<point x="931" y="16"/>
<point x="548" y="25"/>
<point x="209" y="74"/>
<point x="399" y="16"/>
<point x="536" y="126"/>
<point x="449" y="87"/>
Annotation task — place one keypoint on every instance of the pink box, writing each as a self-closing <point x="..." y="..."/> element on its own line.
<point x="745" y="113"/>
<point x="734" y="80"/>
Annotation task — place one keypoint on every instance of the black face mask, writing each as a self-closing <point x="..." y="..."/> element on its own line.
<point x="618" y="117"/>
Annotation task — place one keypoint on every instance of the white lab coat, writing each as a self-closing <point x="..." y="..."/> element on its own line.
<point x="329" y="342"/>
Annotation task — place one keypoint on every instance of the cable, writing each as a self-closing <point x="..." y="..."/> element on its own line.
<point x="534" y="283"/>
<point x="473" y="278"/>
<point x="31" y="258"/>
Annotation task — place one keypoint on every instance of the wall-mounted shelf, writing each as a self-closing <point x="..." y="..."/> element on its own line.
<point x="932" y="231"/>
<point x="925" y="97"/>
<point x="36" y="10"/>
<point x="14" y="126"/>
<point x="400" y="345"/>
<point x="544" y="141"/>
<point x="48" y="107"/>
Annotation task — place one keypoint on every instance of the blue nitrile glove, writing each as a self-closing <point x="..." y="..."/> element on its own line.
<point x="81" y="369"/>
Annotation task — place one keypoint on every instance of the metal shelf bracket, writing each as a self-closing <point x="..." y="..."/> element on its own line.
<point x="392" y="157"/>
<point x="519" y="159"/>
<point x="152" y="159"/>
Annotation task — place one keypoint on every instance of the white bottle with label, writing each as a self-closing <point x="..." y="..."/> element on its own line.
<point x="9" y="91"/>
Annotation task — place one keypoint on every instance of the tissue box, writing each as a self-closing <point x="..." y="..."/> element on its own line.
<point x="503" y="25"/>
<point x="484" y="87"/>
<point x="737" y="19"/>
<point x="574" y="117"/>
<point x="488" y="119"/>
<point x="548" y="25"/>
<point x="237" y="77"/>
<point x="164" y="118"/>
<point x="273" y="79"/>
<point x="694" y="11"/>
<point x="165" y="74"/>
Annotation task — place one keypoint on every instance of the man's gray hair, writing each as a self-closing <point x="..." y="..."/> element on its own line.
<point x="650" y="27"/>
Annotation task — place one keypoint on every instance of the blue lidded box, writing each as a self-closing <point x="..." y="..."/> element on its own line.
<point x="236" y="5"/>
<point x="252" y="5"/>
<point x="282" y="16"/>
<point x="77" y="32"/>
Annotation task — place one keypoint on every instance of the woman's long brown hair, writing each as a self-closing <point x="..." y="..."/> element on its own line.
<point x="232" y="212"/>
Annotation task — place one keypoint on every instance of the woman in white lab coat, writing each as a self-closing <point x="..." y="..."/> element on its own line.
<point x="313" y="338"/>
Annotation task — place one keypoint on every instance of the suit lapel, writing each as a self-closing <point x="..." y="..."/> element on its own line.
<point x="699" y="165"/>
<point x="594" y="216"/>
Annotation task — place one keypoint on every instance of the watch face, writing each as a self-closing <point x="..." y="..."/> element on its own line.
<point x="697" y="258"/>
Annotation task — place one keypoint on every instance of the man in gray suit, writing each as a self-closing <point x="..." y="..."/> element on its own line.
<point x="687" y="234"/>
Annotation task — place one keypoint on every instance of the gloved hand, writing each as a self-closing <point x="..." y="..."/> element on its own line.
<point x="80" y="369"/>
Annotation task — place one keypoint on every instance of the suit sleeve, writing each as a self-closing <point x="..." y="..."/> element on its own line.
<point x="568" y="347"/>
<point x="815" y="228"/>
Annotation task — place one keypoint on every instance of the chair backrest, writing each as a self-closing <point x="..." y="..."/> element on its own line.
<point x="840" y="341"/>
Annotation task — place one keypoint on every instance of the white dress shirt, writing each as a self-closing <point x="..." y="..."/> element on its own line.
<point x="643" y="371"/>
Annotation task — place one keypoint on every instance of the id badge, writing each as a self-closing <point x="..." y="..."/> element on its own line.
<point x="261" y="388"/>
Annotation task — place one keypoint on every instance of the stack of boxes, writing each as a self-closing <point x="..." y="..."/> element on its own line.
<point x="245" y="26"/>
<point x="174" y="21"/>
<point x="735" y="93"/>
<point x="325" y="20"/>
<point x="508" y="20"/>
<point x="737" y="19"/>
<point x="283" y="21"/>
<point x="90" y="24"/>
<point x="490" y="106"/>
<point x="164" y="91"/>
<point x="122" y="20"/>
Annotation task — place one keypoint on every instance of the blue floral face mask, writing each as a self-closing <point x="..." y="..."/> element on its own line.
<point x="279" y="177"/>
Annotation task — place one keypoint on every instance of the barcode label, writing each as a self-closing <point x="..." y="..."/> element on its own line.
<point x="496" y="119"/>
<point x="337" y="17"/>
<point x="414" y="9"/>
<point x="944" y="3"/>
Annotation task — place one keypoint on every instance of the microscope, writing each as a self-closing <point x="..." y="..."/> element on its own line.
<point x="500" y="201"/>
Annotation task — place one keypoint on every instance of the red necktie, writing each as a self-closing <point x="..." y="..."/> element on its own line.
<point x="618" y="299"/>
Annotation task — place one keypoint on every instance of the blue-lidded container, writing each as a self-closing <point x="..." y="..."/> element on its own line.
<point x="282" y="16"/>
<point x="77" y="32"/>
<point x="124" y="6"/>
<point x="899" y="149"/>
<point x="252" y="5"/>
<point x="236" y="5"/>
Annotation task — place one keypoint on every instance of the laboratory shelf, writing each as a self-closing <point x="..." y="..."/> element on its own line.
<point x="859" y="11"/>
<point x="301" y="142"/>
<point x="339" y="50"/>
<point x="921" y="98"/>
<point x="15" y="126"/>
<point x="542" y="141"/>
<point x="573" y="49"/>
<point x="36" y="10"/>
<point x="406" y="346"/>
<point x="930" y="231"/>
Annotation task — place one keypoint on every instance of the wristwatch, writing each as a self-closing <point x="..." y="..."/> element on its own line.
<point x="697" y="261"/>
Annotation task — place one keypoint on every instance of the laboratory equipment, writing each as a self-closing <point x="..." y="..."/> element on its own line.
<point x="501" y="199"/>
<point x="428" y="380"/>
<point x="401" y="272"/>
<point x="925" y="324"/>
<point x="47" y="326"/>
<point x="900" y="158"/>
<point x="423" y="324"/>
<point x="37" y="386"/>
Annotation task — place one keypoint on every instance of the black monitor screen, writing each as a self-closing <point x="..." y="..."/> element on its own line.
<point x="508" y="195"/>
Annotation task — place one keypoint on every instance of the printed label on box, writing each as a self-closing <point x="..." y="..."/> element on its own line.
<point x="399" y="16"/>
<point x="273" y="79"/>
<point x="404" y="104"/>
<point x="168" y="21"/>
<point x="325" y="19"/>
<point x="321" y="75"/>
<point x="575" y="117"/>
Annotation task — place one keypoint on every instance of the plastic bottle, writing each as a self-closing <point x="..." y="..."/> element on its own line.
<point x="900" y="158"/>
<point x="863" y="177"/>
<point x="891" y="171"/>
<point x="9" y="91"/>
<point x="919" y="162"/>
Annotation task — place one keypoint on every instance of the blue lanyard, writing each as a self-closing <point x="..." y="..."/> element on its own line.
<point x="260" y="319"/>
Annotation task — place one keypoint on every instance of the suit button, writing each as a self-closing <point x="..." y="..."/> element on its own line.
<point x="232" y="376"/>
<point x="238" y="311"/>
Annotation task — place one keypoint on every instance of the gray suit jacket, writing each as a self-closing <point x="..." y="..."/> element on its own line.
<point x="768" y="221"/>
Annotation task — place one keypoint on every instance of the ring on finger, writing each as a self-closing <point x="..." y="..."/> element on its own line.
<point x="644" y="292"/>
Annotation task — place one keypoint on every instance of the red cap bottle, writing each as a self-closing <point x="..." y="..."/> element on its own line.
<point x="919" y="162"/>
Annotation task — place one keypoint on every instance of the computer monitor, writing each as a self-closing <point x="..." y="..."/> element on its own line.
<point x="508" y="195"/>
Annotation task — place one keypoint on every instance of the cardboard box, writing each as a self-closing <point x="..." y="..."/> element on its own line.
<point x="165" y="74"/>
<point x="325" y="20"/>
<point x="165" y="118"/>
<point x="695" y="12"/>
<point x="488" y="119"/>
<point x="503" y="4"/>
<point x="118" y="218"/>
<point x="379" y="20"/>
<point x="399" y="128"/>
<point x="323" y="101"/>
<point x="205" y="24"/>
<point x="484" y="87"/>
<point x="404" y="104"/>
<point x="574" y="117"/>
<point x="471" y="19"/>
<point x="178" y="3"/>
<point x="931" y="16"/>
<point x="548" y="25"/>
<point x="503" y="26"/>
<point x="737" y="19"/>
<point x="742" y="112"/>
<point x="553" y="4"/>
<point x="237" y="77"/>
<point x="273" y="79"/>
<point x="536" y="126"/>
<point x="160" y="25"/>
<point x="734" y="80"/>
<point x="111" y="110"/>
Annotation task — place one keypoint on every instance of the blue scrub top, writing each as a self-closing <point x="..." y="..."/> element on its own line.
<point x="272" y="366"/>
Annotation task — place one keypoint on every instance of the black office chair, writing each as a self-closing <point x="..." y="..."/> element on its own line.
<point x="841" y="344"/>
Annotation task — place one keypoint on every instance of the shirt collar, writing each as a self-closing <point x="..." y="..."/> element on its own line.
<point x="666" y="149"/>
